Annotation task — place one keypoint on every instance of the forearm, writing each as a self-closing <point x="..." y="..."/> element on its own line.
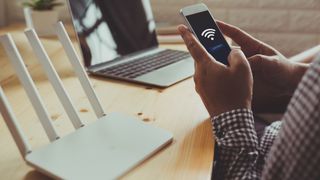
<point x="298" y="71"/>
<point x="295" y="153"/>
<point x="237" y="145"/>
<point x="241" y="153"/>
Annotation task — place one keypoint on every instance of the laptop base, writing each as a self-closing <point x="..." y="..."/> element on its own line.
<point x="163" y="77"/>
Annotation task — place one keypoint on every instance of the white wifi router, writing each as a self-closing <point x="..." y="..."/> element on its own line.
<point x="209" y="33"/>
<point x="105" y="149"/>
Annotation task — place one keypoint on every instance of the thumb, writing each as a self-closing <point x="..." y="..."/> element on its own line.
<point x="237" y="59"/>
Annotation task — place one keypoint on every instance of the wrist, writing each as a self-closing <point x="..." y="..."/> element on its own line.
<point x="298" y="71"/>
<point x="221" y="109"/>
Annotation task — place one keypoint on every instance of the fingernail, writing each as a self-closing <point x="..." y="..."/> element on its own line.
<point x="235" y="51"/>
<point x="236" y="47"/>
<point x="182" y="29"/>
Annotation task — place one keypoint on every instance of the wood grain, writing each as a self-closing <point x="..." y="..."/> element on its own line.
<point x="177" y="109"/>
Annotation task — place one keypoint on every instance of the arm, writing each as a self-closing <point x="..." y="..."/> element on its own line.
<point x="227" y="94"/>
<point x="295" y="153"/>
<point x="236" y="145"/>
<point x="226" y="91"/>
<point x="291" y="154"/>
<point x="241" y="154"/>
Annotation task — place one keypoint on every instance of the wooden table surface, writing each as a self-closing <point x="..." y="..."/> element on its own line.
<point x="177" y="109"/>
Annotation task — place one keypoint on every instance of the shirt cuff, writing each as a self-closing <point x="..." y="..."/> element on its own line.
<point x="232" y="121"/>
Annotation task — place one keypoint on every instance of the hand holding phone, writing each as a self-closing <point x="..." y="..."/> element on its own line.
<point x="201" y="23"/>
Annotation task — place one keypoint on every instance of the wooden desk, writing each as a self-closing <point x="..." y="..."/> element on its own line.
<point x="177" y="109"/>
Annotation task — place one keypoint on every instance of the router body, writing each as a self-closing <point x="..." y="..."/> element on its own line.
<point x="105" y="149"/>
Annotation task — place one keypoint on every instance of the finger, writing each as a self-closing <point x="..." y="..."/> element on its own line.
<point x="237" y="59"/>
<point x="249" y="44"/>
<point x="235" y="47"/>
<point x="255" y="62"/>
<point x="258" y="62"/>
<point x="196" y="50"/>
<point x="236" y="34"/>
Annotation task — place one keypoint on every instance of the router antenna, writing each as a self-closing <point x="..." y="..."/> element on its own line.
<point x="78" y="68"/>
<point x="31" y="90"/>
<point x="53" y="78"/>
<point x="13" y="125"/>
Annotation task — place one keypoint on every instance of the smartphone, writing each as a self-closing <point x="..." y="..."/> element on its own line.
<point x="204" y="27"/>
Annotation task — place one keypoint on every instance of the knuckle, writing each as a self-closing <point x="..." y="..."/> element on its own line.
<point x="275" y="58"/>
<point x="197" y="89"/>
<point x="259" y="57"/>
<point x="256" y="60"/>
<point x="198" y="79"/>
<point x="195" y="80"/>
<point x="191" y="44"/>
<point x="202" y="63"/>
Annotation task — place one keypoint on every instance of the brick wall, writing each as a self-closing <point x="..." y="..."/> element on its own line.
<point x="289" y="25"/>
<point x="2" y="13"/>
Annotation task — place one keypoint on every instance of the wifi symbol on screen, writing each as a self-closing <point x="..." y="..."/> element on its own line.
<point x="209" y="33"/>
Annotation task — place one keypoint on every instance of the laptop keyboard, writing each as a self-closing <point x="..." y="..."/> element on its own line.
<point x="146" y="64"/>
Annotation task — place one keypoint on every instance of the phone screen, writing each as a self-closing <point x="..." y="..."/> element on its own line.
<point x="210" y="35"/>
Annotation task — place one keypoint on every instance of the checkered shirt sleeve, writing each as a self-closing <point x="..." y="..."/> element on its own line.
<point x="241" y="154"/>
<point x="287" y="150"/>
<point x="295" y="154"/>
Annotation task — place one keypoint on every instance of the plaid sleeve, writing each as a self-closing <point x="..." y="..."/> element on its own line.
<point x="295" y="153"/>
<point x="267" y="139"/>
<point x="239" y="153"/>
<point x="288" y="150"/>
<point x="237" y="145"/>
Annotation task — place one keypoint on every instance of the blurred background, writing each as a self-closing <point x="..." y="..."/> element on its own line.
<point x="291" y="26"/>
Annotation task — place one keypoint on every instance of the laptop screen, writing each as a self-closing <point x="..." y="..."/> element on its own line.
<point x="108" y="29"/>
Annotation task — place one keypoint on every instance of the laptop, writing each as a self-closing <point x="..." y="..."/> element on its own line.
<point x="118" y="40"/>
